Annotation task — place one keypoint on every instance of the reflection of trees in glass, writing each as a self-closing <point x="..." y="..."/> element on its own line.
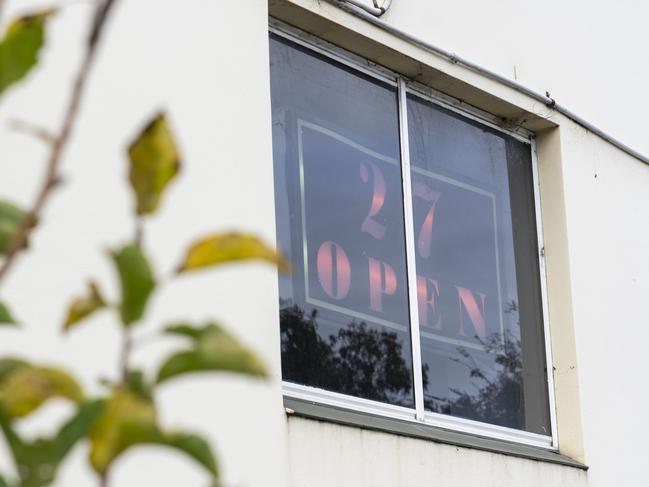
<point x="498" y="399"/>
<point x="364" y="362"/>
<point x="359" y="360"/>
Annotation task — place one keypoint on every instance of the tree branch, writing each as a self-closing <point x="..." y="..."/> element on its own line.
<point x="139" y="231"/>
<point x="127" y="336"/>
<point x="28" y="128"/>
<point x="52" y="176"/>
<point x="125" y="355"/>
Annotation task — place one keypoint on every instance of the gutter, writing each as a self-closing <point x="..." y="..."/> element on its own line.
<point x="373" y="14"/>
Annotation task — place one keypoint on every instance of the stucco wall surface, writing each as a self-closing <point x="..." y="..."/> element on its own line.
<point x="324" y="454"/>
<point x="606" y="203"/>
<point x="588" y="54"/>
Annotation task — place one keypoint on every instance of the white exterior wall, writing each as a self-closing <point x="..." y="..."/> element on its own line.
<point x="606" y="203"/>
<point x="207" y="63"/>
<point x="324" y="454"/>
<point x="589" y="54"/>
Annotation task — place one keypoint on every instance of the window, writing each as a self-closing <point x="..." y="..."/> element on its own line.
<point x="416" y="290"/>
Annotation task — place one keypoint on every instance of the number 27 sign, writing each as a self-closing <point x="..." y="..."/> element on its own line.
<point x="354" y="246"/>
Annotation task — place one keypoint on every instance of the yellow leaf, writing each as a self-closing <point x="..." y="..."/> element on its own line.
<point x="127" y="419"/>
<point x="27" y="388"/>
<point x="83" y="307"/>
<point x="154" y="163"/>
<point x="130" y="419"/>
<point x="222" y="248"/>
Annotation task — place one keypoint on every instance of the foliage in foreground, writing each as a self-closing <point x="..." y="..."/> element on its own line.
<point x="126" y="415"/>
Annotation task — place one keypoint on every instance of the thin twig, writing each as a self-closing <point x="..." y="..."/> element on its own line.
<point x="139" y="231"/>
<point x="148" y="339"/>
<point x="52" y="176"/>
<point x="125" y="356"/>
<point x="34" y="130"/>
<point x="127" y="337"/>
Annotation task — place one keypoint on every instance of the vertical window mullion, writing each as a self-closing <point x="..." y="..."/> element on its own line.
<point x="410" y="251"/>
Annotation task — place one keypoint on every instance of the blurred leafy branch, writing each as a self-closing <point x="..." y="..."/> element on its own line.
<point x="126" y="415"/>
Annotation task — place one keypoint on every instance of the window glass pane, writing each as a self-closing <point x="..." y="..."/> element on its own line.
<point x="339" y="205"/>
<point x="478" y="284"/>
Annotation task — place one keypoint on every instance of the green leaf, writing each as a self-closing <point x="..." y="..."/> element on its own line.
<point x="11" y="218"/>
<point x="26" y="388"/>
<point x="76" y="428"/>
<point x="39" y="459"/>
<point x="16" y="445"/>
<point x="20" y="47"/>
<point x="81" y="308"/>
<point x="8" y="232"/>
<point x="154" y="164"/>
<point x="130" y="420"/>
<point x="213" y="349"/>
<point x="221" y="248"/>
<point x="194" y="446"/>
<point x="138" y="384"/>
<point x="5" y="316"/>
<point x="11" y="213"/>
<point x="136" y="280"/>
<point x="8" y="365"/>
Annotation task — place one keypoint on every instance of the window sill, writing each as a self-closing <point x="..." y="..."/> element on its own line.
<point x="313" y="410"/>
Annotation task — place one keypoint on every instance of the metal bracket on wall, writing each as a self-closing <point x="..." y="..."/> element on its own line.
<point x="377" y="10"/>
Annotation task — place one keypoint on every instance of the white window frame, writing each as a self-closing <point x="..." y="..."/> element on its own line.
<point x="417" y="414"/>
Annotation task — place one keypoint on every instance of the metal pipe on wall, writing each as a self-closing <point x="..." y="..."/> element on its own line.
<point x="372" y="14"/>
